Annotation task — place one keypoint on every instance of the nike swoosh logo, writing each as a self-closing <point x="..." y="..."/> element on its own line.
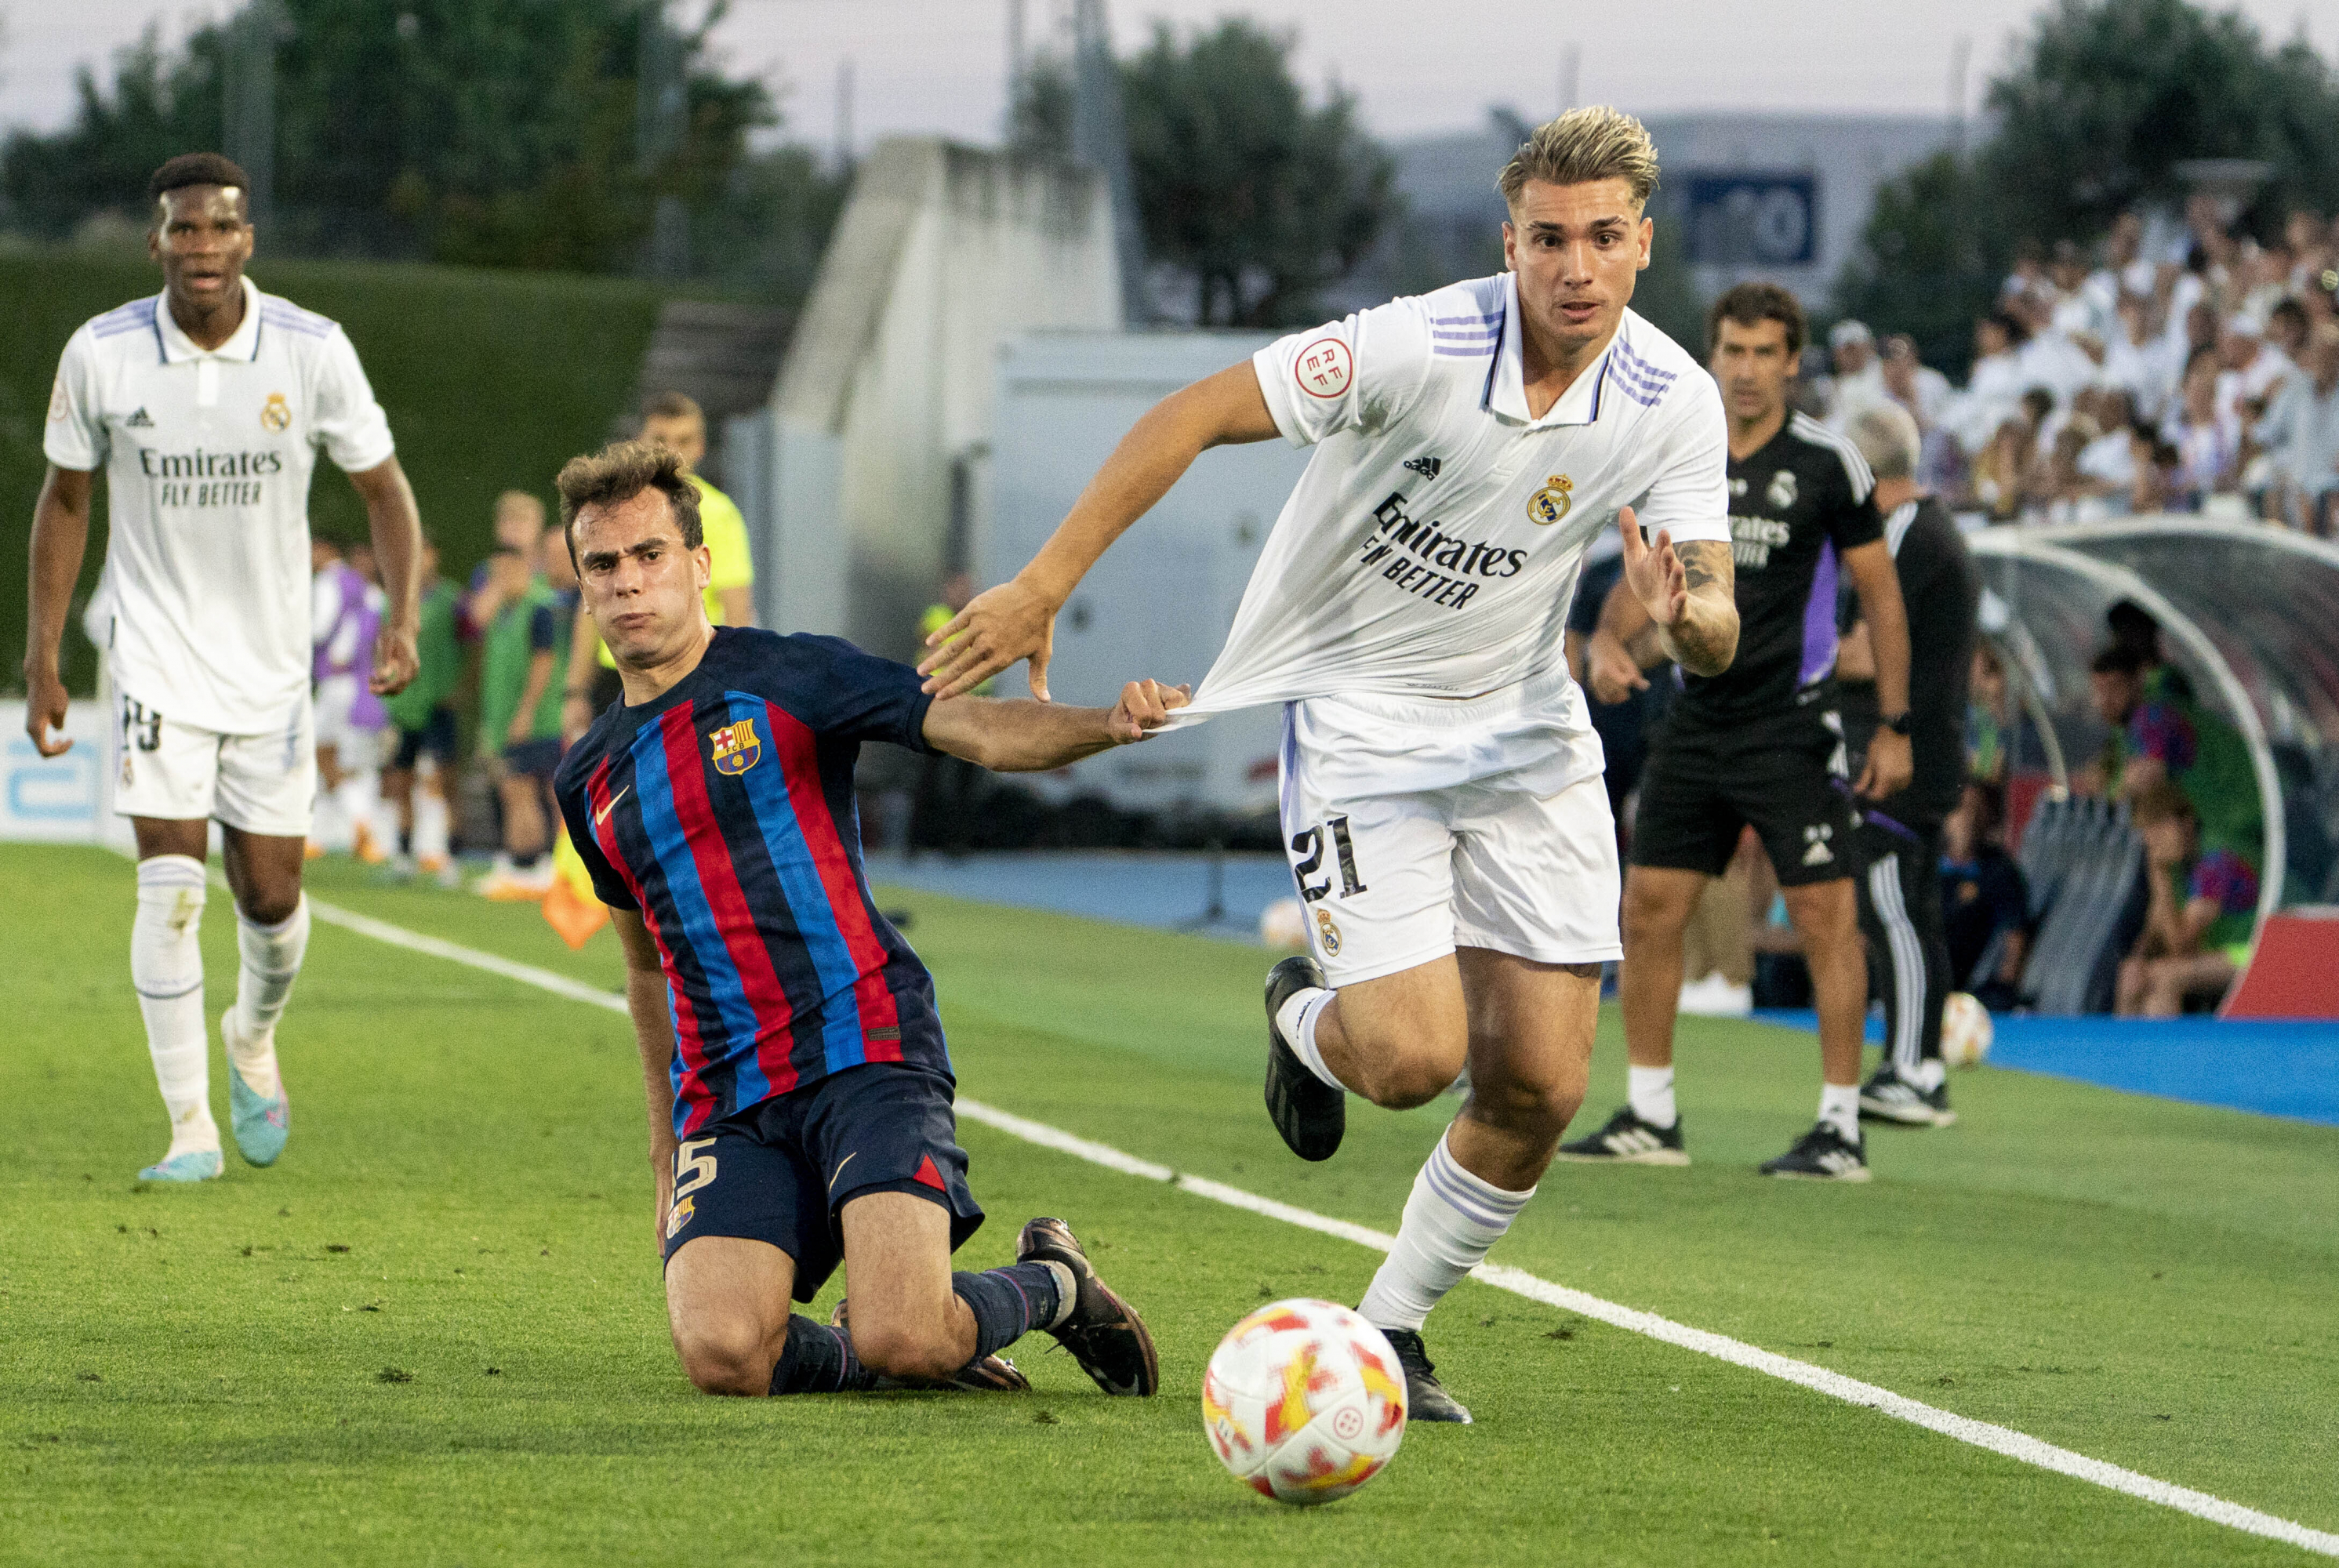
<point x="603" y="815"/>
<point x="840" y="1169"/>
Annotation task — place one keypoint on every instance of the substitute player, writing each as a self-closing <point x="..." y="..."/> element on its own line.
<point x="206" y="406"/>
<point x="1900" y="839"/>
<point x="1761" y="742"/>
<point x="1441" y="784"/>
<point x="799" y="1087"/>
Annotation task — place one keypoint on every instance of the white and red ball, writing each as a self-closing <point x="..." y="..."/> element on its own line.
<point x="1965" y="1030"/>
<point x="1304" y="1401"/>
<point x="1283" y="926"/>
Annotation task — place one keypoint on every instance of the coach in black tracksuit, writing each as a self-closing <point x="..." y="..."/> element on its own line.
<point x="1899" y="840"/>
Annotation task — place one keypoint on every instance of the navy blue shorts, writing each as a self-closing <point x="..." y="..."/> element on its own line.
<point x="436" y="736"/>
<point x="780" y="1171"/>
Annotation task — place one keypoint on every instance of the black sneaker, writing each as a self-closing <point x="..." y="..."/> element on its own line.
<point x="1426" y="1398"/>
<point x="1312" y="1116"/>
<point x="1823" y="1154"/>
<point x="1628" y="1141"/>
<point x="1103" y="1332"/>
<point x="983" y="1374"/>
<point x="1889" y="1097"/>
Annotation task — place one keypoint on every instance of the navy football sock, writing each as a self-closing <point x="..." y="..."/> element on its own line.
<point x="1008" y="1303"/>
<point x="818" y="1359"/>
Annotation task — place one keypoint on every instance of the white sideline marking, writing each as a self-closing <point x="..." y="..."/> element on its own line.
<point x="2002" y="1440"/>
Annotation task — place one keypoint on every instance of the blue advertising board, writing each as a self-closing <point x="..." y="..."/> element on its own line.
<point x="1753" y="219"/>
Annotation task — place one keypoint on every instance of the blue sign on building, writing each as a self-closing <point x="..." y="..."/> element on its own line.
<point x="1742" y="219"/>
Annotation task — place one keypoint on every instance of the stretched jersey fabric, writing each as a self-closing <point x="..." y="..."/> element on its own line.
<point x="723" y="811"/>
<point x="1795" y="506"/>
<point x="208" y="454"/>
<point x="1431" y="549"/>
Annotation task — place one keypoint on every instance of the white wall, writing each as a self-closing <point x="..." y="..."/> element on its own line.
<point x="942" y="252"/>
<point x="1162" y="599"/>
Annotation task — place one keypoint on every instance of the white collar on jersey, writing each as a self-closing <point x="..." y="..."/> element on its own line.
<point x="1506" y="391"/>
<point x="243" y="344"/>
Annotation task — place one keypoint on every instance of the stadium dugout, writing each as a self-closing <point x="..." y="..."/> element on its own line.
<point x="2244" y="613"/>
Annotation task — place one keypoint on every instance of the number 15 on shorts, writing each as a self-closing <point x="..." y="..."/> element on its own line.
<point x="1309" y="847"/>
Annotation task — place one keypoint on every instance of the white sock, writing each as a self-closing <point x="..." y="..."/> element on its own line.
<point x="1450" y="1221"/>
<point x="263" y="982"/>
<point x="1297" y="1020"/>
<point x="166" y="966"/>
<point x="1929" y="1074"/>
<point x="1649" y="1091"/>
<point x="429" y="824"/>
<point x="1840" y="1108"/>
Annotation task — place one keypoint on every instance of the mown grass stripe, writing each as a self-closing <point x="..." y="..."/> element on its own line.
<point x="2001" y="1440"/>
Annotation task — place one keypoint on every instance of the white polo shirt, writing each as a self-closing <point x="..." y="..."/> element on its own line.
<point x="208" y="453"/>
<point x="1432" y="546"/>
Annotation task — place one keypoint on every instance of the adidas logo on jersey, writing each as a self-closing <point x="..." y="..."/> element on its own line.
<point x="138" y="421"/>
<point x="1425" y="467"/>
<point x="1816" y="839"/>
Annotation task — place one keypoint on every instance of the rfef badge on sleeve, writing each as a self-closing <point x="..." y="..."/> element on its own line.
<point x="1323" y="368"/>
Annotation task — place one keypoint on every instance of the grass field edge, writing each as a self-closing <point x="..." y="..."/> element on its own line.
<point x="2004" y="1441"/>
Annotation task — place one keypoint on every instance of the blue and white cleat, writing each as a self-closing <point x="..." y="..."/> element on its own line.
<point x="195" y="1165"/>
<point x="260" y="1125"/>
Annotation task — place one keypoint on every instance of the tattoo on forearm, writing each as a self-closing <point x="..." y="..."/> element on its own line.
<point x="1705" y="639"/>
<point x="1708" y="562"/>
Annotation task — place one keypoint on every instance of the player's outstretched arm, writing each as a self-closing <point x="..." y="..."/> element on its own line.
<point x="1017" y="619"/>
<point x="397" y="528"/>
<point x="60" y="538"/>
<point x="1891" y="759"/>
<point x="646" y="1000"/>
<point x="1033" y="736"/>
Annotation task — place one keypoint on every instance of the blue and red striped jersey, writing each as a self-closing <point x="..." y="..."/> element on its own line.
<point x="723" y="812"/>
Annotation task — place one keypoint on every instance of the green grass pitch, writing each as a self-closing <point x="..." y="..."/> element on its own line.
<point x="434" y="1333"/>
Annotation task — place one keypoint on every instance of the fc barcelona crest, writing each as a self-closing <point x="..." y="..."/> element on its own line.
<point x="735" y="747"/>
<point x="1550" y="503"/>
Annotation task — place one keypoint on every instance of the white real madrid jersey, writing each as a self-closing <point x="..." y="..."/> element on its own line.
<point x="1431" y="548"/>
<point x="208" y="454"/>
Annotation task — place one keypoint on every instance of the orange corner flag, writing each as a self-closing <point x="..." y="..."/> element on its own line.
<point x="570" y="908"/>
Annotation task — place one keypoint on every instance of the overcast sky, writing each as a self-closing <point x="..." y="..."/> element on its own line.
<point x="1418" y="65"/>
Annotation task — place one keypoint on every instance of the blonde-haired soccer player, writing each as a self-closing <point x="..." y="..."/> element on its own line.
<point x="1441" y="783"/>
<point x="206" y="405"/>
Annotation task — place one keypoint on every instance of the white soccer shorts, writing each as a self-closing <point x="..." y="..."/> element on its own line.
<point x="1397" y="877"/>
<point x="262" y="784"/>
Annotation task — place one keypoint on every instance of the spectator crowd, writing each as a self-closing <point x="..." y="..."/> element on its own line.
<point x="2196" y="375"/>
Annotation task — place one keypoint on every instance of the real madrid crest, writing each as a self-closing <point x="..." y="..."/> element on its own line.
<point x="734" y="748"/>
<point x="275" y="414"/>
<point x="1327" y="934"/>
<point x="1552" y="502"/>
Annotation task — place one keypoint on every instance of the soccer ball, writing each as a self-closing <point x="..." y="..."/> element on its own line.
<point x="1965" y="1030"/>
<point x="1304" y="1401"/>
<point x="1283" y="924"/>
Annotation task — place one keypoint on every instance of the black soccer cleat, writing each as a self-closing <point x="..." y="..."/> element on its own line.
<point x="1628" y="1141"/>
<point x="1426" y="1398"/>
<point x="1889" y="1097"/>
<point x="1104" y="1333"/>
<point x="1823" y="1154"/>
<point x="983" y="1374"/>
<point x="1311" y="1115"/>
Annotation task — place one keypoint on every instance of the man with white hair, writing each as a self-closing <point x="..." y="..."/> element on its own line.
<point x="1859" y="374"/>
<point x="1900" y="838"/>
